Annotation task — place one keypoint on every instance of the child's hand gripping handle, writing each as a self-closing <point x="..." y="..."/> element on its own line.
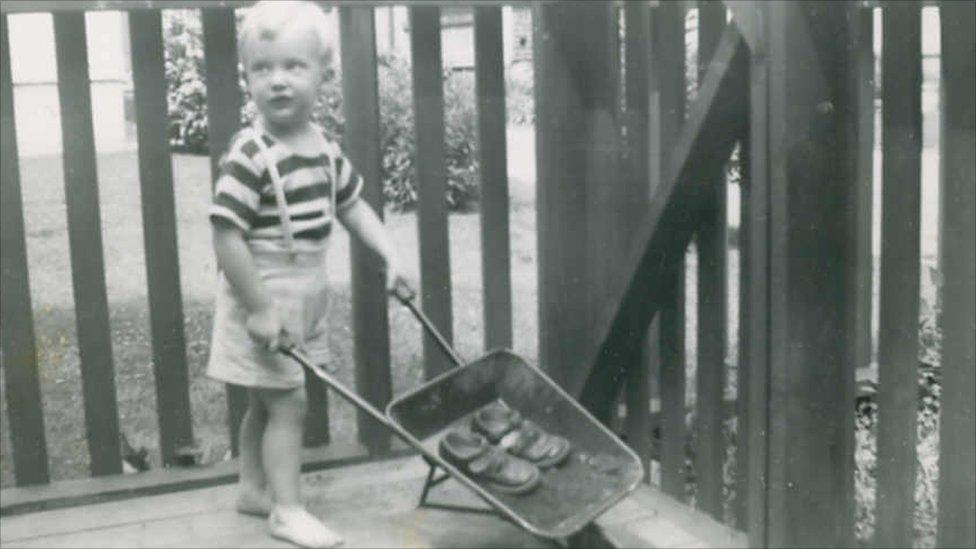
<point x="405" y="295"/>
<point x="403" y="292"/>
<point x="289" y="347"/>
<point x="285" y="342"/>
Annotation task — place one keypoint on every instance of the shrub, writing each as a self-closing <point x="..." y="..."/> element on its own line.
<point x="398" y="139"/>
<point x="187" y="112"/>
<point x="519" y="100"/>
<point x="186" y="97"/>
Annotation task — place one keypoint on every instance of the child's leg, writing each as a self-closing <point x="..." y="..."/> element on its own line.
<point x="281" y="453"/>
<point x="281" y="445"/>
<point x="253" y="496"/>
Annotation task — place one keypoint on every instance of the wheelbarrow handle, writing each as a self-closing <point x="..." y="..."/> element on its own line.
<point x="407" y="296"/>
<point x="288" y="347"/>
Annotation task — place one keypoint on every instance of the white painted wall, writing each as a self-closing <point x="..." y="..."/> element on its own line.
<point x="34" y="72"/>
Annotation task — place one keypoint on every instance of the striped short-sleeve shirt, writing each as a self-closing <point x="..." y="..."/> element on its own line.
<point x="244" y="194"/>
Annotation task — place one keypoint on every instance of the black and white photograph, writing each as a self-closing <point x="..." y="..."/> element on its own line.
<point x="488" y="273"/>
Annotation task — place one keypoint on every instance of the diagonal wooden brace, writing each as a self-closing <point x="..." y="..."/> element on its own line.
<point x="717" y="118"/>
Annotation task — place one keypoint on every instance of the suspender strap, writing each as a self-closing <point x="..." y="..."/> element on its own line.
<point x="279" y="190"/>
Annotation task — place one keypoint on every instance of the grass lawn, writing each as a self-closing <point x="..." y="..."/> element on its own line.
<point x="51" y="292"/>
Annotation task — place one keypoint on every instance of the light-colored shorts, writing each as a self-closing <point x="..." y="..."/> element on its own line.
<point x="299" y="288"/>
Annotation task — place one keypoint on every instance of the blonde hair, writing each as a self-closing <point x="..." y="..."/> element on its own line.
<point x="267" y="18"/>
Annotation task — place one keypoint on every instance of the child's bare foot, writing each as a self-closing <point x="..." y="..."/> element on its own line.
<point x="293" y="523"/>
<point x="254" y="502"/>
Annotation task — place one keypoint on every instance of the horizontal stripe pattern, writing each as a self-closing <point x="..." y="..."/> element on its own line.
<point x="244" y="194"/>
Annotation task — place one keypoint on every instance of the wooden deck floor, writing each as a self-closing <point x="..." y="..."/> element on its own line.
<point x="372" y="505"/>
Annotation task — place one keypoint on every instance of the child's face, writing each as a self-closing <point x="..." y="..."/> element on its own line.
<point x="284" y="75"/>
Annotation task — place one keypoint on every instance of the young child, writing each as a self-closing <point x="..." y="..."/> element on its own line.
<point x="281" y="187"/>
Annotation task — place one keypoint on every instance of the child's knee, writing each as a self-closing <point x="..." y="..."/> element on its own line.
<point x="256" y="406"/>
<point x="292" y="402"/>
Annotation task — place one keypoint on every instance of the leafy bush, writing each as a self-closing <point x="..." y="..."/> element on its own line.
<point x="186" y="97"/>
<point x="187" y="111"/>
<point x="519" y="89"/>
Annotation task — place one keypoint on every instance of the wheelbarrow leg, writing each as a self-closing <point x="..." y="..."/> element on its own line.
<point x="433" y="480"/>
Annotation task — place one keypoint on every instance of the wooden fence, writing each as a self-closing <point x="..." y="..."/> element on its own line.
<point x="791" y="86"/>
<point x="369" y="301"/>
<point x="788" y="85"/>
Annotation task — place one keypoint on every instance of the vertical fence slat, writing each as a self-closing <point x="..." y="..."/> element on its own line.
<point x="863" y="74"/>
<point x="159" y="232"/>
<point x="637" y="388"/>
<point x="369" y="301"/>
<point x="495" y="247"/>
<point x="668" y="72"/>
<point x="85" y="238"/>
<point x="740" y="507"/>
<point x="224" y="101"/>
<point x="755" y="264"/>
<point x="224" y="98"/>
<point x="435" y="262"/>
<point x="899" y="282"/>
<point x="744" y="421"/>
<point x="861" y="267"/>
<point x="22" y="387"/>
<point x="957" y="460"/>
<point x="316" y="425"/>
<point x="711" y="237"/>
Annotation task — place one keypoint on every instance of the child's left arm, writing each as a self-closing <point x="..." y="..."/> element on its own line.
<point x="360" y="219"/>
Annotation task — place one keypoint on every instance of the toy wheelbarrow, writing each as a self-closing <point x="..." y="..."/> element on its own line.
<point x="598" y="472"/>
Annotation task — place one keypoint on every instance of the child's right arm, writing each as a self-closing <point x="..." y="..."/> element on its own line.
<point x="234" y="258"/>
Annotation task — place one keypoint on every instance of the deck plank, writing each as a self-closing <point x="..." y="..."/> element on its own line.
<point x="651" y="518"/>
<point x="374" y="505"/>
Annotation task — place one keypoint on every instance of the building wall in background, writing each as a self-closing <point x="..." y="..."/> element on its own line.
<point x="34" y="72"/>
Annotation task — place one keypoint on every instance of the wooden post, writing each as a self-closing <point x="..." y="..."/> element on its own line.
<point x="576" y="103"/>
<point x="224" y="101"/>
<point x="957" y="457"/>
<point x="899" y="276"/>
<point x="85" y="238"/>
<point x="639" y="290"/>
<point x="809" y="261"/>
<point x="159" y="232"/>
<point x="495" y="249"/>
<point x="23" y="392"/>
<point x="369" y="301"/>
<point x="712" y="315"/>
<point x="435" y="261"/>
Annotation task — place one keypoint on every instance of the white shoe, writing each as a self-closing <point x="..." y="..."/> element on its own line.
<point x="298" y="526"/>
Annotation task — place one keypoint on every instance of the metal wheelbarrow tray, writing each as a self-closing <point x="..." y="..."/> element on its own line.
<point x="599" y="471"/>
